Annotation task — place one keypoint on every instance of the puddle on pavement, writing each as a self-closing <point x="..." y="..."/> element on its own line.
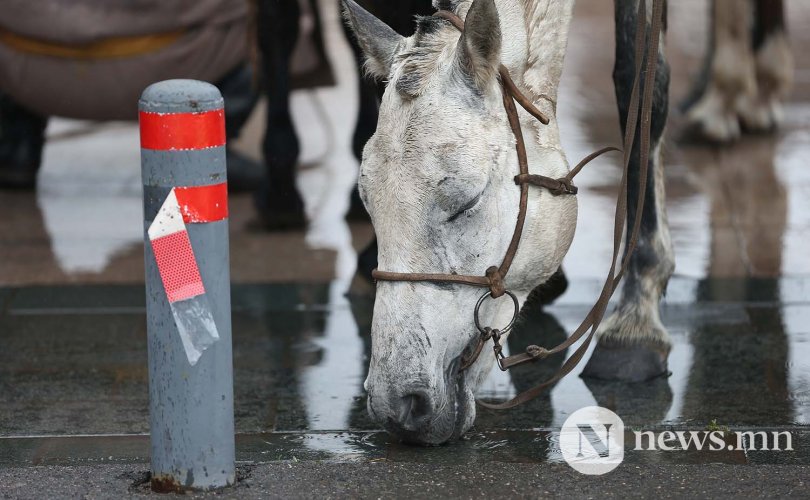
<point x="476" y="449"/>
<point x="741" y="357"/>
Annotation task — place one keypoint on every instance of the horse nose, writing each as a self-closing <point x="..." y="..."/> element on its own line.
<point x="415" y="409"/>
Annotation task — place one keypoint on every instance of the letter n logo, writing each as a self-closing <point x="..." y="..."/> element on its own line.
<point x="601" y="447"/>
<point x="592" y="440"/>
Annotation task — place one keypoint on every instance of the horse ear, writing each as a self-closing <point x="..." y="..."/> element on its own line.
<point x="480" y="45"/>
<point x="377" y="40"/>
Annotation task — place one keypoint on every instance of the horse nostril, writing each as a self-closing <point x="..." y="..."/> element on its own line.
<point x="415" y="407"/>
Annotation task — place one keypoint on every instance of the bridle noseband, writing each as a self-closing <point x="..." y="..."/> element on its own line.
<point x="495" y="275"/>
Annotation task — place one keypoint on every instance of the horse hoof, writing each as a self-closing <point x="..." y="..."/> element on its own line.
<point x="626" y="362"/>
<point x="282" y="219"/>
<point x="23" y="177"/>
<point x="279" y="205"/>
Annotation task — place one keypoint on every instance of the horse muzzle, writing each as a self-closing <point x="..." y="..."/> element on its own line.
<point x="420" y="411"/>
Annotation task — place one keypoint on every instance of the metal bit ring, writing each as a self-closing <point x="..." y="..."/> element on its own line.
<point x="508" y="327"/>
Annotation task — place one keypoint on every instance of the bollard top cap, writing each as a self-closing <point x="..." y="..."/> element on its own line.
<point x="180" y="96"/>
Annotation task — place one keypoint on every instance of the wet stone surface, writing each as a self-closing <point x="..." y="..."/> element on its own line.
<point x="477" y="448"/>
<point x="741" y="359"/>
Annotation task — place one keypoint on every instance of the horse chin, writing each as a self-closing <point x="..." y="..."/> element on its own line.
<point x="465" y="406"/>
<point x="460" y="401"/>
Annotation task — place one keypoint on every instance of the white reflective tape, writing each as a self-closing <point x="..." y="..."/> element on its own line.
<point x="180" y="274"/>
<point x="168" y="220"/>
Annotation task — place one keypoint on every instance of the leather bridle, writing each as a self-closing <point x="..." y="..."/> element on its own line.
<point x="495" y="275"/>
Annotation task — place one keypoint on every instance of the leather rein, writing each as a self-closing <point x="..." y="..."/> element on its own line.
<point x="495" y="275"/>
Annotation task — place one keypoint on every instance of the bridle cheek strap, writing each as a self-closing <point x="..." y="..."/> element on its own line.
<point x="496" y="275"/>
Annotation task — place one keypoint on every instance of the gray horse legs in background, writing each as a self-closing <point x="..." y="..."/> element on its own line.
<point x="748" y="71"/>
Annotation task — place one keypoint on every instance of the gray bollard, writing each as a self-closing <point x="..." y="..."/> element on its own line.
<point x="188" y="303"/>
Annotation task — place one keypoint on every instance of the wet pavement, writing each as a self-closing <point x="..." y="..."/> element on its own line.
<point x="414" y="480"/>
<point x="73" y="378"/>
<point x="74" y="363"/>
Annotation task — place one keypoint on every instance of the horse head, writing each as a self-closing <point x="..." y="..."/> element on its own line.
<point x="437" y="179"/>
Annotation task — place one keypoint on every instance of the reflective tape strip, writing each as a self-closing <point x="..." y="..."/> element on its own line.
<point x="182" y="131"/>
<point x="203" y="204"/>
<point x="170" y="242"/>
<point x="177" y="266"/>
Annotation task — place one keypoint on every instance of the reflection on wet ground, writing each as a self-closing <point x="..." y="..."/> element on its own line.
<point x="74" y="362"/>
<point x="72" y="324"/>
<point x="735" y="211"/>
<point x="478" y="448"/>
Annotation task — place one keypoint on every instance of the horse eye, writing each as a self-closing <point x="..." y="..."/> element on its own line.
<point x="466" y="208"/>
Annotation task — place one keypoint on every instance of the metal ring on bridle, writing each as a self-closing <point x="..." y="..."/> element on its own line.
<point x="508" y="327"/>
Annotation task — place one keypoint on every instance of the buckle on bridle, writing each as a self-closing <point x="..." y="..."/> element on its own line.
<point x="557" y="187"/>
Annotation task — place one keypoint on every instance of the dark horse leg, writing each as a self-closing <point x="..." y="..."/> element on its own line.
<point x="22" y="137"/>
<point x="399" y="16"/>
<point x="240" y="96"/>
<point x="278" y="201"/>
<point x="370" y="93"/>
<point x="632" y="343"/>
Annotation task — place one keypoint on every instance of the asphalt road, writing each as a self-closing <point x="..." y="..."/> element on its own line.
<point x="409" y="480"/>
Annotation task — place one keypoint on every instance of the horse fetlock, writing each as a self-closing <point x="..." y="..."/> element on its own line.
<point x="733" y="70"/>
<point x="635" y="323"/>
<point x="775" y="66"/>
<point x="762" y="110"/>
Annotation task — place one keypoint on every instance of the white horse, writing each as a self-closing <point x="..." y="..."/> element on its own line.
<point x="437" y="179"/>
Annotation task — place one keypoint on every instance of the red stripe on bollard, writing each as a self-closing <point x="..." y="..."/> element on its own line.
<point x="201" y="204"/>
<point x="179" y="131"/>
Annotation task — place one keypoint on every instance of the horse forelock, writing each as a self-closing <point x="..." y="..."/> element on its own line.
<point x="445" y="4"/>
<point x="419" y="61"/>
